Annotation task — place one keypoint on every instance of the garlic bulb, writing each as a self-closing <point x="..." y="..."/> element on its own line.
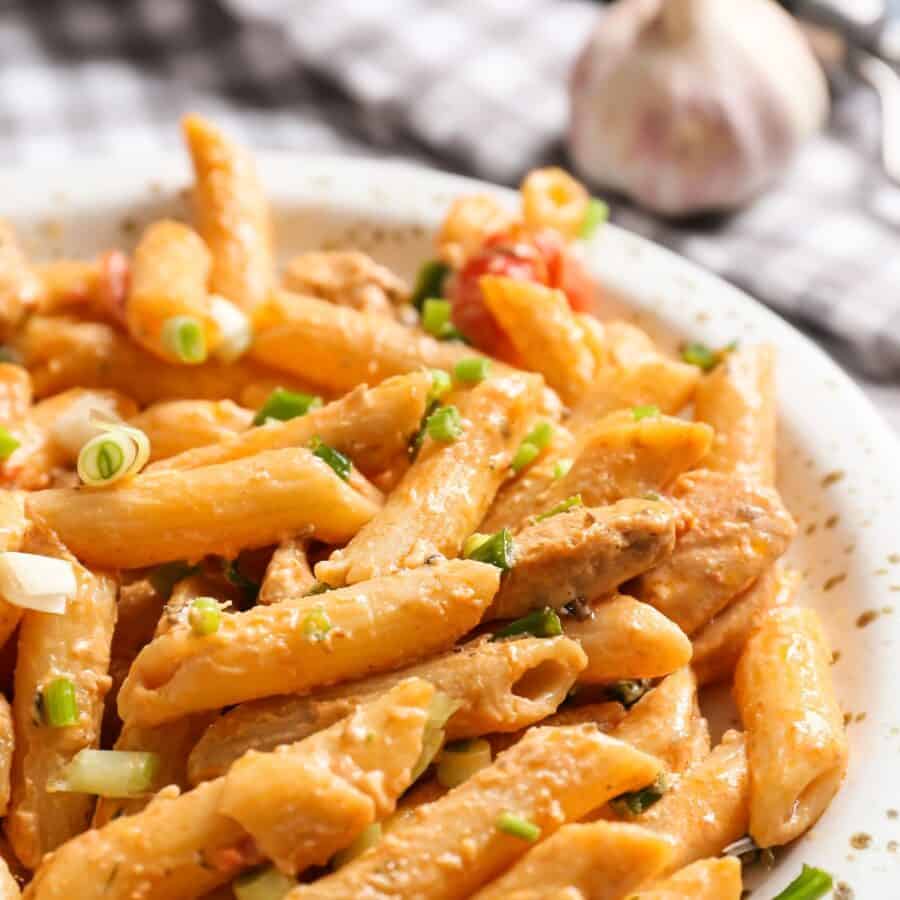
<point x="693" y="105"/>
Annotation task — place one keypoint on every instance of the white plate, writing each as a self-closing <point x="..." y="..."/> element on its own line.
<point x="837" y="459"/>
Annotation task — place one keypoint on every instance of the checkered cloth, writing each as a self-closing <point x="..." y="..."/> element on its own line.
<point x="477" y="86"/>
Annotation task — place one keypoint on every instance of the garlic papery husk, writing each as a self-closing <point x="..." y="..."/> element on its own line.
<point x="693" y="105"/>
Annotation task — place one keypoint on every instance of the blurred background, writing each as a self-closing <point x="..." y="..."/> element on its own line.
<point x="760" y="139"/>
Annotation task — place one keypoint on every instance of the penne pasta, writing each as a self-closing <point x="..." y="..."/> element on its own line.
<point x="599" y="860"/>
<point x="13" y="521"/>
<point x="20" y="288"/>
<point x="582" y="553"/>
<point x="443" y="496"/>
<point x="94" y="289"/>
<point x="289" y="574"/>
<point x="232" y="215"/>
<point x="450" y="848"/>
<point x="15" y="393"/>
<point x="796" y="741"/>
<point x="498" y="686"/>
<point x="310" y="642"/>
<point x="469" y="220"/>
<point x="220" y="510"/>
<point x="707" y="879"/>
<point x="7" y="746"/>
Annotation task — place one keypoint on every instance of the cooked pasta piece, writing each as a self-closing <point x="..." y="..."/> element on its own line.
<point x="601" y="860"/>
<point x="180" y="426"/>
<point x="15" y="393"/>
<point x="71" y="649"/>
<point x="796" y="741"/>
<point x="232" y="215"/>
<point x="552" y="198"/>
<point x="13" y="521"/>
<point x="738" y="530"/>
<point x="443" y="496"/>
<point x="470" y="220"/>
<point x="342" y="347"/>
<point x="7" y="746"/>
<point x="708" y="808"/>
<point x="20" y="288"/>
<point x="373" y="426"/>
<point x="450" y="848"/>
<point x="222" y="509"/>
<point x="309" y="642"/>
<point x="624" y="638"/>
<point x="707" y="879"/>
<point x="544" y="331"/>
<point x="499" y="686"/>
<point x="583" y="552"/>
<point x="288" y="575"/>
<point x="180" y="847"/>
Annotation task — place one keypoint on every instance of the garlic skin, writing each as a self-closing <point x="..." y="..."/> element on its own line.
<point x="693" y="105"/>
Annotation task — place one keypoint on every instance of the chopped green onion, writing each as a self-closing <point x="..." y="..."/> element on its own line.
<point x="429" y="282"/>
<point x="59" y="704"/>
<point x="444" y="425"/>
<point x="596" y="214"/>
<point x="284" y="405"/>
<point x="635" y="802"/>
<point x="810" y="884"/>
<point x="205" y="616"/>
<point x="7" y="443"/>
<point x="8" y="355"/>
<point x="164" y="578"/>
<point x="265" y="883"/>
<point x="628" y="692"/>
<point x="368" y="837"/>
<point x="518" y="827"/>
<point x="118" y="451"/>
<point x="460" y="760"/>
<point x="440" y="384"/>
<point x="316" y="625"/>
<point x="644" y="412"/>
<point x="561" y="507"/>
<point x="496" y="550"/>
<point x="524" y="456"/>
<point x="334" y="458"/>
<point x="249" y="588"/>
<point x="473" y="542"/>
<point x="183" y="337"/>
<point x="439" y="711"/>
<point x="700" y="355"/>
<point x="109" y="773"/>
<point x="318" y="588"/>
<point x="472" y="370"/>
<point x="748" y="852"/>
<point x="652" y="495"/>
<point x="539" y="623"/>
<point x="561" y="468"/>
<point x="540" y="435"/>
<point x="436" y="319"/>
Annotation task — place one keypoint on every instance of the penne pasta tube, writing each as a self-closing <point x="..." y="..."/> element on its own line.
<point x="219" y="510"/>
<point x="15" y="393"/>
<point x="180" y="847"/>
<point x="796" y="741"/>
<point x="499" y="686"/>
<point x="92" y="289"/>
<point x="169" y="272"/>
<point x="232" y="214"/>
<point x="738" y="399"/>
<point x="624" y="638"/>
<point x="450" y="848"/>
<point x="309" y="642"/>
<point x="444" y="495"/>
<point x="546" y="335"/>
<point x="708" y="808"/>
<point x="63" y="353"/>
<point x="600" y="860"/>
<point x="373" y="426"/>
<point x="582" y="553"/>
<point x="342" y="347"/>
<point x="73" y="648"/>
<point x="179" y="426"/>
<point x="7" y="746"/>
<point x="706" y="879"/>
<point x="738" y="530"/>
<point x="469" y="221"/>
<point x="288" y="575"/>
<point x="20" y="288"/>
<point x="13" y="521"/>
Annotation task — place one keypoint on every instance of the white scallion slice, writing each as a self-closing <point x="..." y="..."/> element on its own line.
<point x="266" y="883"/>
<point x="439" y="711"/>
<point x="460" y="761"/>
<point x="368" y="837"/>
<point x="117" y="452"/>
<point x="235" y="331"/>
<point x="42" y="583"/>
<point x="109" y="773"/>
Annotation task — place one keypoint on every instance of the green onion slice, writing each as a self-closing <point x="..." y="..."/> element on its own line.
<point x="635" y="802"/>
<point x="699" y="355"/>
<point x="339" y="463"/>
<point x="183" y="337"/>
<point x="248" y="587"/>
<point x="117" y="452"/>
<point x="460" y="760"/>
<point x="109" y="773"/>
<point x="368" y="837"/>
<point x="235" y="330"/>
<point x="628" y="692"/>
<point x="539" y="623"/>
<point x="561" y="468"/>
<point x="283" y="405"/>
<point x="205" y="616"/>
<point x="316" y="625"/>
<point x="524" y="456"/>
<point x="496" y="550"/>
<point x="647" y="411"/>
<point x="437" y="321"/>
<point x="540" y="435"/>
<point x="59" y="704"/>
<point x="440" y="384"/>
<point x="473" y="542"/>
<point x="810" y="884"/>
<point x="265" y="883"/>
<point x="596" y="214"/>
<point x="472" y="370"/>
<point x="440" y="709"/>
<point x="444" y="425"/>
<point x="518" y="827"/>
<point x="561" y="507"/>
<point x="429" y="282"/>
<point x="8" y="443"/>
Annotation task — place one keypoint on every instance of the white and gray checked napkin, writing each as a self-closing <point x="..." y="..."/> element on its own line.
<point x="477" y="86"/>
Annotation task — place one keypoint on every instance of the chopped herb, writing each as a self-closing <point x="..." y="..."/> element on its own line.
<point x="108" y="773"/>
<point x="536" y="440"/>
<point x="699" y="355"/>
<point x="163" y="578"/>
<point x="440" y="384"/>
<point x="517" y="826"/>
<point x="283" y="405"/>
<point x="647" y="411"/>
<point x="524" y="456"/>
<point x="496" y="550"/>
<point x="7" y="443"/>
<point x="205" y="616"/>
<point x="436" y="319"/>
<point x="473" y="542"/>
<point x="58" y="703"/>
<point x="265" y="883"/>
<point x="368" y="837"/>
<point x="540" y="623"/>
<point x="429" y="282"/>
<point x="540" y="435"/>
<point x="635" y="802"/>
<point x="444" y="425"/>
<point x="596" y="214"/>
<point x="316" y="625"/>
<point x="472" y="370"/>
<point x="628" y="692"/>
<point x="563" y="506"/>
<point x="810" y="884"/>
<point x="318" y="588"/>
<point x="249" y="588"/>
<point x="561" y="468"/>
<point x="652" y="495"/>
<point x="460" y="760"/>
<point x="339" y="463"/>
<point x="418" y="438"/>
<point x="440" y="709"/>
<point x="184" y="338"/>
